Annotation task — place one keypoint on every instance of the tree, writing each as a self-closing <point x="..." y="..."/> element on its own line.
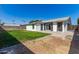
<point x="34" y="21"/>
<point x="78" y="21"/>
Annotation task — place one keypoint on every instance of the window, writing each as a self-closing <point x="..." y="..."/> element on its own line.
<point x="33" y="26"/>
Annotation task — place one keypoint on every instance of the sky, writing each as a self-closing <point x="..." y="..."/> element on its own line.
<point x="23" y="13"/>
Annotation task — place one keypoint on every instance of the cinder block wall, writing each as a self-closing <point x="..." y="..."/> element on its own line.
<point x="13" y="27"/>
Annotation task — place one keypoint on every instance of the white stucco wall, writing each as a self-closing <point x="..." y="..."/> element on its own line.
<point x="64" y="26"/>
<point x="28" y="27"/>
<point x="54" y="26"/>
<point x="37" y="27"/>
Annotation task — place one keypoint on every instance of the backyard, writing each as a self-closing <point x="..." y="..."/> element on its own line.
<point x="12" y="37"/>
<point x="22" y="41"/>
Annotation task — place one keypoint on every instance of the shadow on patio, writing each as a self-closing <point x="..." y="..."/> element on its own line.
<point x="7" y="40"/>
<point x="74" y="48"/>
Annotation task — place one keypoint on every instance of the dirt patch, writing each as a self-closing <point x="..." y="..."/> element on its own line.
<point x="50" y="44"/>
<point x="46" y="45"/>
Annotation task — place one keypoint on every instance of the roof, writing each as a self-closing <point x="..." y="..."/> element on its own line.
<point x="38" y="22"/>
<point x="52" y="20"/>
<point x="57" y="20"/>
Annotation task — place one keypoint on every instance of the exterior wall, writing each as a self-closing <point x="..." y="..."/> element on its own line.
<point x="55" y="27"/>
<point x="64" y="26"/>
<point x="36" y="27"/>
<point x="28" y="27"/>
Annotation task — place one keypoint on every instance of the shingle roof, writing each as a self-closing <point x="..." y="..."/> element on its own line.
<point x="58" y="19"/>
<point x="52" y="20"/>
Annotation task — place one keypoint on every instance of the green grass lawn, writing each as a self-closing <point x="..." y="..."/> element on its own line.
<point x="12" y="37"/>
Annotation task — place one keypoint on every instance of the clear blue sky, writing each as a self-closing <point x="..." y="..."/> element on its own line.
<point x="28" y="12"/>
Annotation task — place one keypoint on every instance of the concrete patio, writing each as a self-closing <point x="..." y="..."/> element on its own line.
<point x="60" y="34"/>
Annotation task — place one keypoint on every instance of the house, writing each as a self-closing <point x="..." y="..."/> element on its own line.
<point x="55" y="25"/>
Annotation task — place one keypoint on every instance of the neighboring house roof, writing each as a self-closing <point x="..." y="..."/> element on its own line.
<point x="53" y="20"/>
